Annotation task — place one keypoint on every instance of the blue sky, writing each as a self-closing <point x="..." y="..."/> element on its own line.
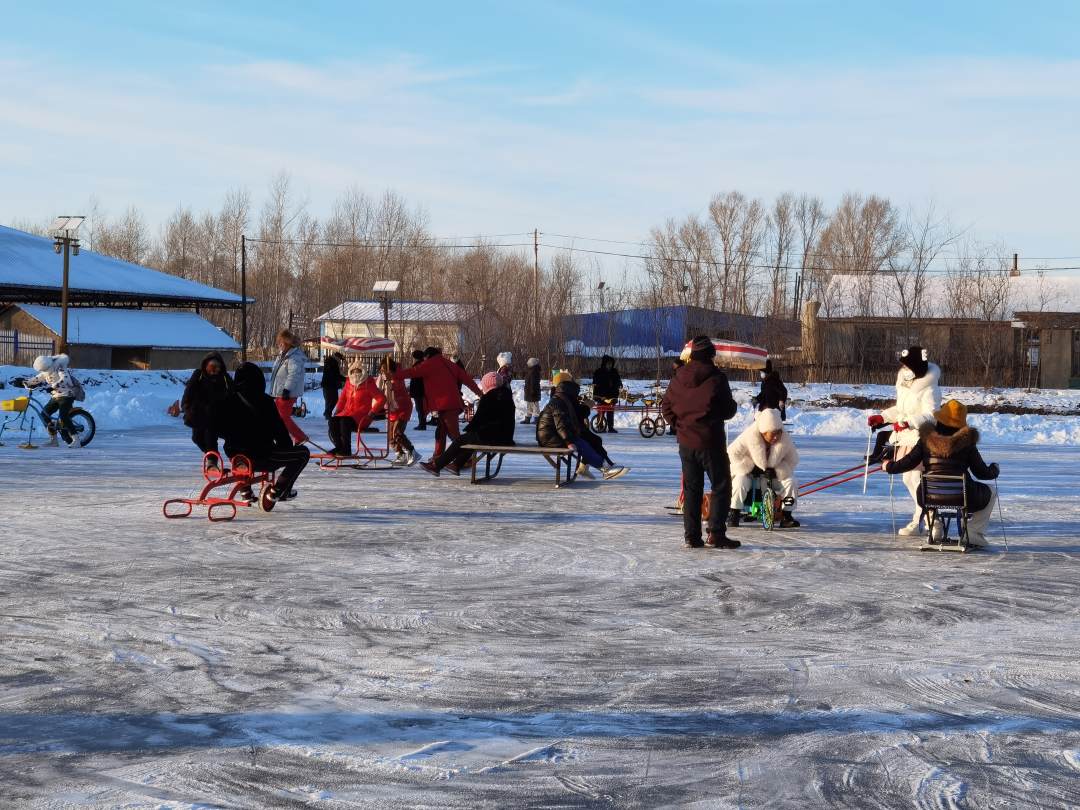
<point x="600" y="119"/>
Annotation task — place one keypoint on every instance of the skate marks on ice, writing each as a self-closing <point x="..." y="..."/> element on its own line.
<point x="415" y="641"/>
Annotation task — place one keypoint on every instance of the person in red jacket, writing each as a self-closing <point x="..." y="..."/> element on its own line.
<point x="442" y="393"/>
<point x="359" y="400"/>
<point x="398" y="411"/>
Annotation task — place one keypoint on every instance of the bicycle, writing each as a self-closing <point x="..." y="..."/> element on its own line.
<point x="23" y="410"/>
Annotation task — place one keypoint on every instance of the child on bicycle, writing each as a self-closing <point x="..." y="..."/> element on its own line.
<point x="53" y="374"/>
<point x="766" y="447"/>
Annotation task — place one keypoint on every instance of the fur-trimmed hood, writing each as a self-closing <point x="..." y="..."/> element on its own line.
<point x="946" y="446"/>
<point x="928" y="380"/>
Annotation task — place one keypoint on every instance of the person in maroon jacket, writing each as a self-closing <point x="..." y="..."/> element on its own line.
<point x="442" y="393"/>
<point x="697" y="403"/>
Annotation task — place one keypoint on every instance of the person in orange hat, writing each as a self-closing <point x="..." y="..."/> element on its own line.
<point x="950" y="447"/>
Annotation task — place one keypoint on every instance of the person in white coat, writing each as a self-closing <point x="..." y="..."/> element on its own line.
<point x="918" y="398"/>
<point x="767" y="446"/>
<point x="53" y="375"/>
<point x="287" y="381"/>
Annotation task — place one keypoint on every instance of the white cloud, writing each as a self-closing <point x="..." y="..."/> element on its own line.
<point x="484" y="151"/>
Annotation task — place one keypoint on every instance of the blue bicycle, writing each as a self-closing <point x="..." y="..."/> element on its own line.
<point x="25" y="411"/>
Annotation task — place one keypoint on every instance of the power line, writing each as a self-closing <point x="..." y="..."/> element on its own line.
<point x="714" y="263"/>
<point x="387" y="244"/>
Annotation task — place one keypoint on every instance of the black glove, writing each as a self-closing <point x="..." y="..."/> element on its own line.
<point x="18" y="382"/>
<point x="770" y="472"/>
<point x="994" y="470"/>
<point x="285" y="394"/>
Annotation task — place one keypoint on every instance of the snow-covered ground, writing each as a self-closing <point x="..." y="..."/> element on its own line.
<point x="391" y="639"/>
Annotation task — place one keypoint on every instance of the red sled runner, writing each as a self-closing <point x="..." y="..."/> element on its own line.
<point x="239" y="477"/>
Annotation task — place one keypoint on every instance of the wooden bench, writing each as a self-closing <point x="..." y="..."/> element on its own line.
<point x="562" y="459"/>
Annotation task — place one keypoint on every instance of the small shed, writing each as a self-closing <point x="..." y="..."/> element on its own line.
<point x="107" y="338"/>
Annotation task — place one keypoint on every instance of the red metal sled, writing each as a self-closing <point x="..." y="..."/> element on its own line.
<point x="841" y="477"/>
<point x="238" y="476"/>
<point x="363" y="458"/>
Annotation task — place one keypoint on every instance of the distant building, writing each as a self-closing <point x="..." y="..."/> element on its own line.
<point x="120" y="315"/>
<point x="104" y="338"/>
<point x="643" y="340"/>
<point x="412" y="324"/>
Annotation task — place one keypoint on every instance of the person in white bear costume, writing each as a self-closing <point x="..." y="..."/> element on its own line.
<point x="767" y="446"/>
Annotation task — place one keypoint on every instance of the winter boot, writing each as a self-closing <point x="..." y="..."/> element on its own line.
<point x="245" y="495"/>
<point x="52" y="442"/>
<point x="788" y="521"/>
<point x="583" y="471"/>
<point x="733" y="518"/>
<point x="721" y="541"/>
<point x="453" y="468"/>
<point x="399" y="459"/>
<point x="269" y="499"/>
<point x="910" y="530"/>
<point x="430" y="467"/>
<point x="693" y="543"/>
<point x="411" y="458"/>
<point x="611" y="472"/>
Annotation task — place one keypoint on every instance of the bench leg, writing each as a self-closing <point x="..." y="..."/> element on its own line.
<point x="475" y="464"/>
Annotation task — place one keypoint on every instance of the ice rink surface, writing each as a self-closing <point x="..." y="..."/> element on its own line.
<point x="394" y="640"/>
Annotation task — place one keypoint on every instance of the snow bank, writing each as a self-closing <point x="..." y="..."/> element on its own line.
<point x="121" y="400"/>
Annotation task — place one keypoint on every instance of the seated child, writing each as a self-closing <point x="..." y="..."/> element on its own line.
<point x="359" y="400"/>
<point x="766" y="446"/>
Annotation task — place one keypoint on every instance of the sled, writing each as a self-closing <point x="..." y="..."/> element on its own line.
<point x="732" y="354"/>
<point x="231" y="481"/>
<point x="363" y="457"/>
<point x="944" y="500"/>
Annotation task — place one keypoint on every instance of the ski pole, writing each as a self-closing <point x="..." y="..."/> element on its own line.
<point x="1001" y="517"/>
<point x="892" y="507"/>
<point x="866" y="464"/>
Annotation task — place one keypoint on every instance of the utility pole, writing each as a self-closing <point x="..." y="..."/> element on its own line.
<point x="536" y="283"/>
<point x="65" y="234"/>
<point x="243" y="297"/>
<point x="1016" y="265"/>
<point x="64" y="297"/>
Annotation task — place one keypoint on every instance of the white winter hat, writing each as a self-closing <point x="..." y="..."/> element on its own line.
<point x="768" y="420"/>
<point x="504" y="359"/>
<point x="532" y="361"/>
<point x="43" y="362"/>
<point x="61" y="360"/>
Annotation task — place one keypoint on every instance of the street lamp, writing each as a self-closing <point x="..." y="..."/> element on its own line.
<point x="384" y="288"/>
<point x="65" y="234"/>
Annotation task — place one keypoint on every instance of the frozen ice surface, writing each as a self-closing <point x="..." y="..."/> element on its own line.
<point x="394" y="640"/>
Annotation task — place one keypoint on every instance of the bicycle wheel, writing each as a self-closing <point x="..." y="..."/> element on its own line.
<point x="83" y="426"/>
<point x="599" y="423"/>
<point x="646" y="427"/>
<point x="661" y="425"/>
<point x="768" y="509"/>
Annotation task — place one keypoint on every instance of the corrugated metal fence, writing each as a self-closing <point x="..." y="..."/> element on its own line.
<point x="19" y="349"/>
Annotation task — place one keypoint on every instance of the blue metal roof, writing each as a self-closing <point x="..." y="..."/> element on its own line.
<point x="31" y="270"/>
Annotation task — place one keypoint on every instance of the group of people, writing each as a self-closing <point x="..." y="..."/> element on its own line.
<point x="925" y="436"/>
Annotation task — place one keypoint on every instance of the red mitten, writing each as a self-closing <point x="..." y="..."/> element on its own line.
<point x="900" y="426"/>
<point x="875" y="421"/>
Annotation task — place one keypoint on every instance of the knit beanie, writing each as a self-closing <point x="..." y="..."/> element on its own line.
<point x="915" y="358"/>
<point x="504" y="359"/>
<point x="768" y="420"/>
<point x="953" y="414"/>
<point x="491" y="381"/>
<point x="702" y="349"/>
<point x="533" y="361"/>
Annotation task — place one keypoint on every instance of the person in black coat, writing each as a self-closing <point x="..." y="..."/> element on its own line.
<point x="607" y="385"/>
<point x="492" y="424"/>
<point x="332" y="382"/>
<point x="207" y="386"/>
<point x="248" y="421"/>
<point x="416" y="391"/>
<point x="773" y="394"/>
<point x="561" y="425"/>
<point x="532" y="390"/>
<point x="950" y="447"/>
